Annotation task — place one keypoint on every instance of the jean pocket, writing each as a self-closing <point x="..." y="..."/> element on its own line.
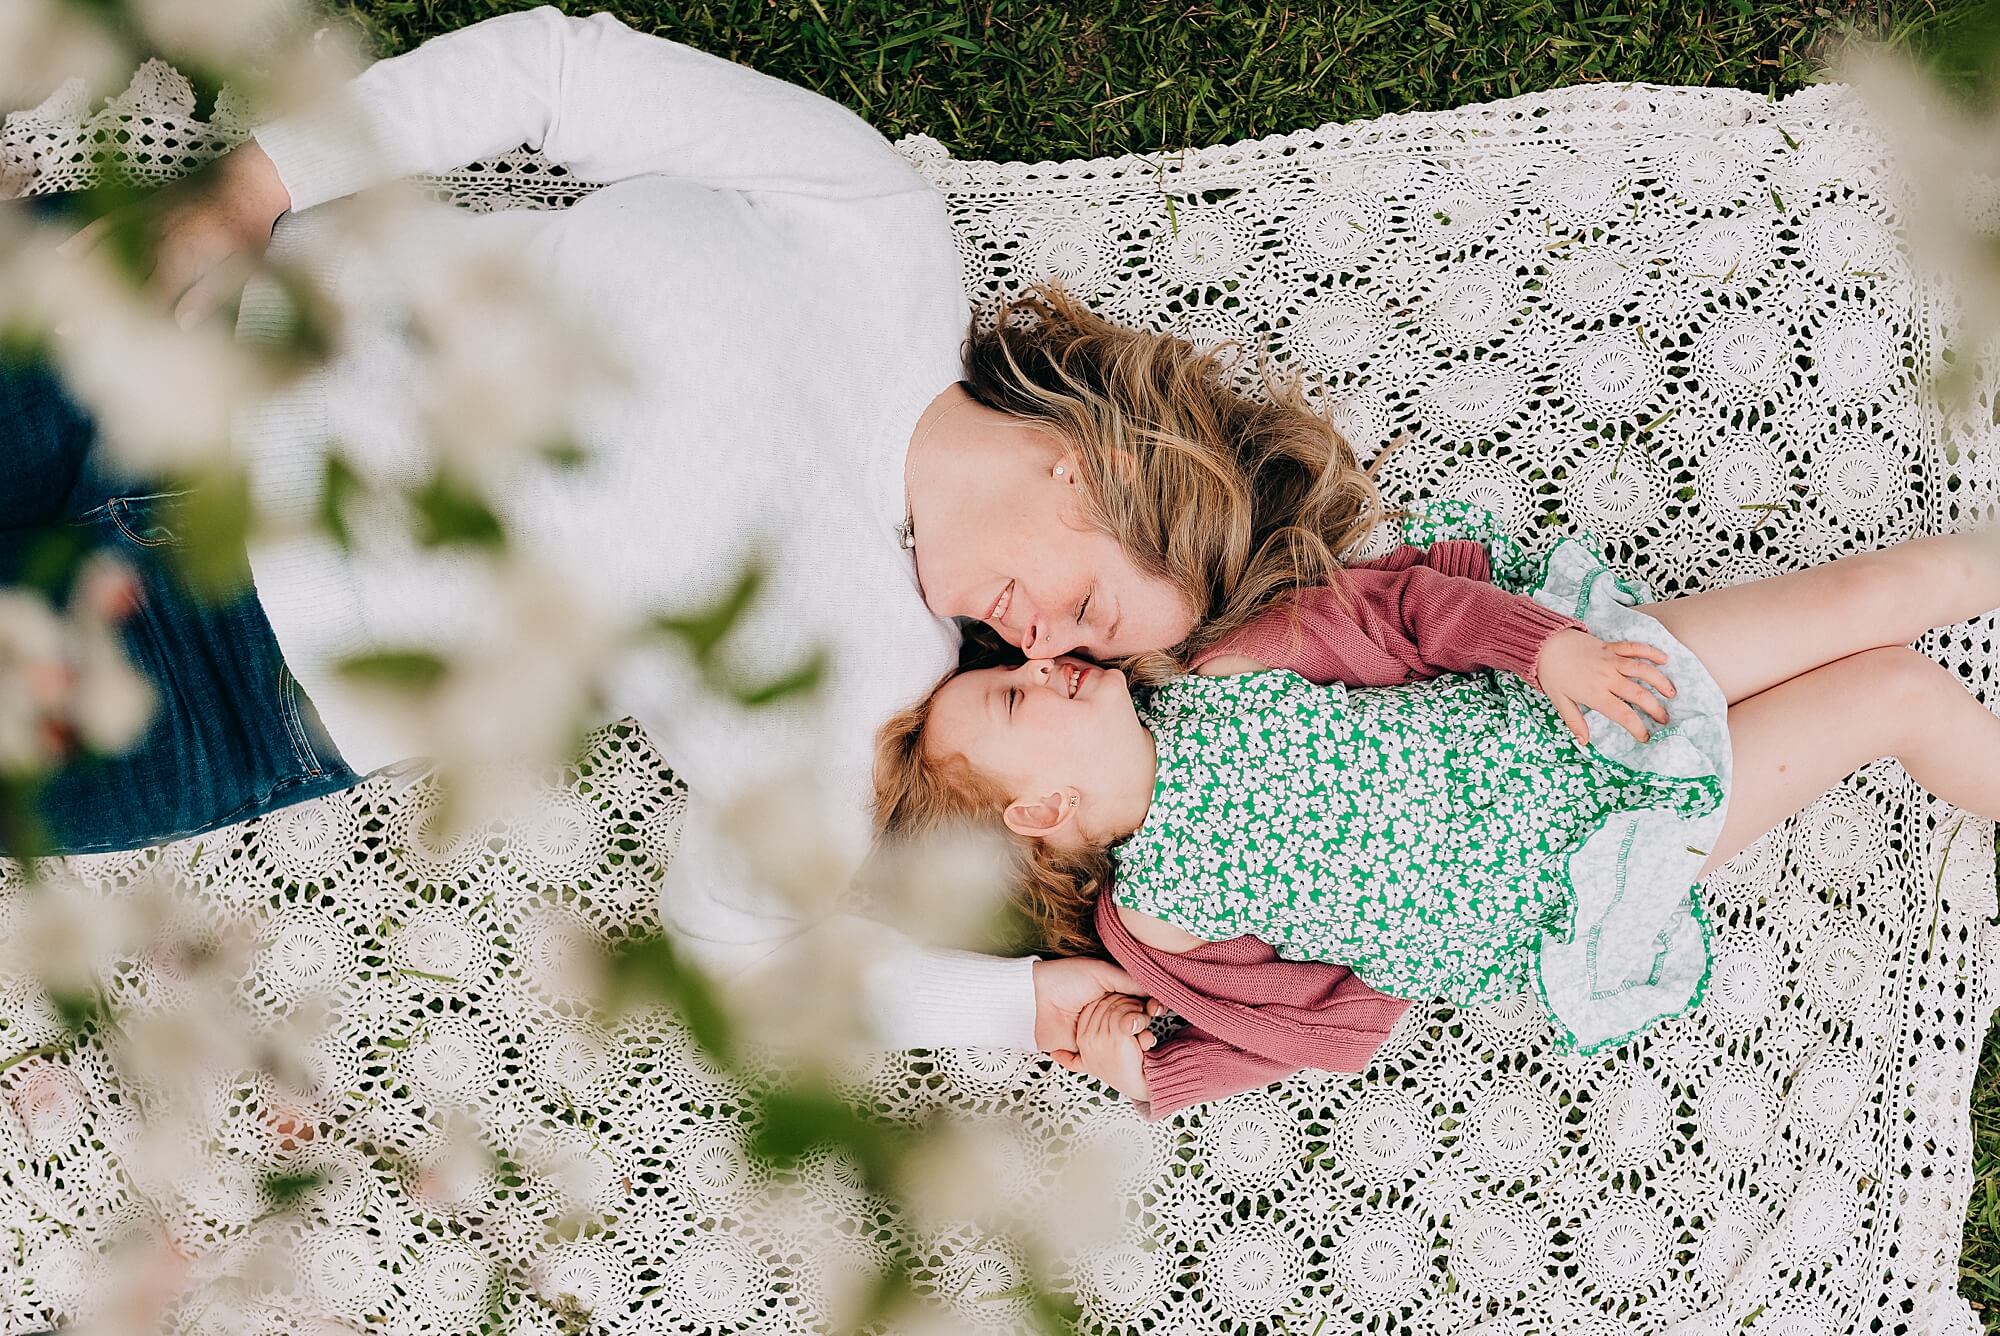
<point x="143" y="520"/>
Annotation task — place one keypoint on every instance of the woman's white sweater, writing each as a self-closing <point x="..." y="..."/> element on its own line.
<point x="784" y="291"/>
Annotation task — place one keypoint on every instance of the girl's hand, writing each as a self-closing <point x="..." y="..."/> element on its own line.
<point x="1112" y="1038"/>
<point x="208" y="230"/>
<point x="1577" y="669"/>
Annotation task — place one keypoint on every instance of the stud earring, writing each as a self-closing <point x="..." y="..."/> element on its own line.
<point x="1072" y="800"/>
<point x="1060" y="470"/>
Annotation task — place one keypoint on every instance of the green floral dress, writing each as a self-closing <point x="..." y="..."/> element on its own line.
<point x="1448" y="838"/>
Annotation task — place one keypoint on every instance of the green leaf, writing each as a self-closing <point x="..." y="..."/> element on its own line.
<point x="701" y="631"/>
<point x="306" y="332"/>
<point x="566" y="455"/>
<point x="804" y="678"/>
<point x="211" y="518"/>
<point x="453" y="513"/>
<point x="649" y="969"/>
<point x="76" y="1010"/>
<point x="338" y="484"/>
<point x="286" y="1189"/>
<point x="54" y="554"/>
<point x="795" y="1120"/>
<point x="410" y="669"/>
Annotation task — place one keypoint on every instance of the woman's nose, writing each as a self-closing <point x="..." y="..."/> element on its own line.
<point x="1041" y="645"/>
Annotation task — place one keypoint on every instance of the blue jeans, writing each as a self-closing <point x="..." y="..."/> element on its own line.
<point x="232" y="734"/>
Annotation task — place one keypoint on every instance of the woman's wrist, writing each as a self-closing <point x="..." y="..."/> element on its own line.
<point x="248" y="177"/>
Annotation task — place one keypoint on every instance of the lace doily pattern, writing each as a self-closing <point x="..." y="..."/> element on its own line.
<point x="1678" y="317"/>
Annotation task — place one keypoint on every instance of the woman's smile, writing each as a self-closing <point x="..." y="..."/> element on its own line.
<point x="1000" y="604"/>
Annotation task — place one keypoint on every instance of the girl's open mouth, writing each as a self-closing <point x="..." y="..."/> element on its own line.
<point x="1077" y="672"/>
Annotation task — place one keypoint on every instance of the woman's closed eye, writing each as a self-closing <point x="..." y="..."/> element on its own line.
<point x="1084" y="607"/>
<point x="1012" y="692"/>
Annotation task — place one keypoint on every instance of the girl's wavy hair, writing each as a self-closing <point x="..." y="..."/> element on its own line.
<point x="1234" y="500"/>
<point x="918" y="794"/>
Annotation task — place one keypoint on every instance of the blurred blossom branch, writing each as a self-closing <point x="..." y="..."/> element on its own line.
<point x="1941" y="119"/>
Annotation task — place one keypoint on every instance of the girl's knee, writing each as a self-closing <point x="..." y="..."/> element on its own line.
<point x="1898" y="681"/>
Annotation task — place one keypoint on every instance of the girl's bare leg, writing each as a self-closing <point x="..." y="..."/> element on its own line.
<point x="1796" y="740"/>
<point x="1755" y="635"/>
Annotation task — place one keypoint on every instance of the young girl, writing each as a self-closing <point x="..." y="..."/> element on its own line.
<point x="1447" y="838"/>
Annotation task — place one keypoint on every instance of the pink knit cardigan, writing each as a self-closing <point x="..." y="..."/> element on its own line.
<point x="1253" y="1018"/>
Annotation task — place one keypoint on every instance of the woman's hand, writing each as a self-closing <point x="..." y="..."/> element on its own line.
<point x="1577" y="669"/>
<point x="1065" y="987"/>
<point x="1112" y="1038"/>
<point x="208" y="230"/>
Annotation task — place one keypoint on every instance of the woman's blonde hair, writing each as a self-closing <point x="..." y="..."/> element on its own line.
<point x="1235" y="501"/>
<point x="917" y="794"/>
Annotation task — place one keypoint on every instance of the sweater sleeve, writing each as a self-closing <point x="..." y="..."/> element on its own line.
<point x="590" y="94"/>
<point x="1395" y="625"/>
<point x="1193" y="1068"/>
<point x="911" y="995"/>
<point x="1451" y="624"/>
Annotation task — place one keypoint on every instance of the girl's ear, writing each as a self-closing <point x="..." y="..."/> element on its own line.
<point x="1039" y="818"/>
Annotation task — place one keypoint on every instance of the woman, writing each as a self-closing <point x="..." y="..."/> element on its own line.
<point x="785" y="292"/>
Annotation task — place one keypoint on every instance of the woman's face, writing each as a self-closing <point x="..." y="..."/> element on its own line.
<point x="1033" y="570"/>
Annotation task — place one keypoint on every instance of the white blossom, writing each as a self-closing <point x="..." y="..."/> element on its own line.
<point x="63" y="674"/>
<point x="44" y="43"/>
<point x="965" y="1172"/>
<point x="162" y="396"/>
<point x="782" y="828"/>
<point x="111" y="701"/>
<point x="1948" y="158"/>
<point x="216" y="32"/>
<point x="32" y="679"/>
<point x="501" y="359"/>
<point x="945" y="887"/>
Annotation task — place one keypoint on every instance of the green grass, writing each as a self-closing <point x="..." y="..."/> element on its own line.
<point x="1012" y="80"/>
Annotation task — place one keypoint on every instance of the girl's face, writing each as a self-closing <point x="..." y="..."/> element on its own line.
<point x="1047" y="731"/>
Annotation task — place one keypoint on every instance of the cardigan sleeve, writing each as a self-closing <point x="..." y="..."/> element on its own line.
<point x="1450" y="624"/>
<point x="1392" y="623"/>
<point x="1252" y="1018"/>
<point x="590" y="94"/>
<point x="1193" y="1068"/>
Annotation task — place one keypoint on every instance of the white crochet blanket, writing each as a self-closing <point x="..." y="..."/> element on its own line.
<point x="1637" y="309"/>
